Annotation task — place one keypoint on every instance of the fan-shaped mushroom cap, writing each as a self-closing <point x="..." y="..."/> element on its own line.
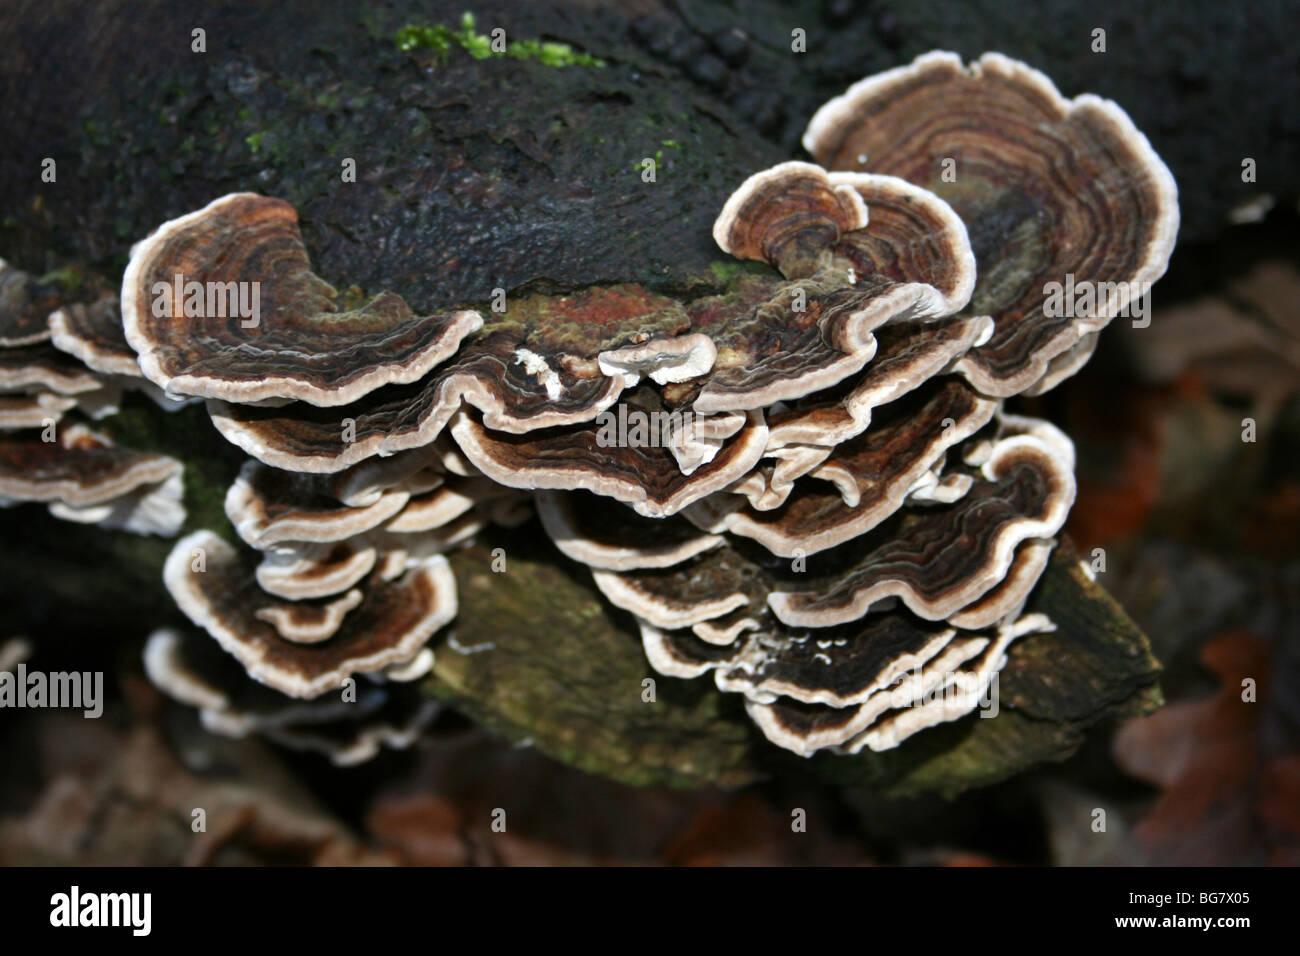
<point x="838" y="667"/>
<point x="936" y="560"/>
<point x="942" y="559"/>
<point x="790" y="216"/>
<point x="80" y="468"/>
<point x="945" y="688"/>
<point x="215" y="588"/>
<point x="1008" y="598"/>
<point x="309" y="621"/>
<point x="84" y="477"/>
<point x="863" y="481"/>
<point x="644" y="476"/>
<point x="909" y="355"/>
<point x="453" y="498"/>
<point x="93" y="333"/>
<point x="607" y="535"/>
<point x="192" y="670"/>
<point x="397" y="724"/>
<point x="299" y="570"/>
<point x="268" y="506"/>
<point x="32" y="410"/>
<point x="149" y="509"/>
<point x="364" y="484"/>
<point x="914" y="237"/>
<point x="42" y="366"/>
<point x="778" y="351"/>
<point x="23" y="308"/>
<point x="1050" y="189"/>
<point x="243" y="254"/>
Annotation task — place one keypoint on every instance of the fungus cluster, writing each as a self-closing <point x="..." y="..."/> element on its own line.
<point x="863" y="576"/>
<point x="60" y="358"/>
<point x="806" y="485"/>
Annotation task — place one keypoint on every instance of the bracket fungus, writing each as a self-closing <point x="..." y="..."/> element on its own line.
<point x="25" y="302"/>
<point x="917" y="513"/>
<point x="222" y="303"/>
<point x="341" y="577"/>
<point x="81" y="475"/>
<point x="84" y="476"/>
<point x="191" y="670"/>
<point x="307" y="649"/>
<point x="802" y="480"/>
<point x="1051" y="191"/>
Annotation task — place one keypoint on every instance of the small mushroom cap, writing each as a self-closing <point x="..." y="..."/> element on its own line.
<point x="396" y="725"/>
<point x="147" y="509"/>
<point x="940" y="560"/>
<point x="299" y="345"/>
<point x="42" y="366"/>
<point x="909" y="355"/>
<point x="676" y="359"/>
<point x="838" y="667"/>
<point x="23" y="308"/>
<point x="366" y="483"/>
<point x="958" y="694"/>
<point x="607" y="535"/>
<point x="215" y="588"/>
<point x="453" y="498"/>
<point x="297" y="571"/>
<point x="1008" y="598"/>
<point x="788" y="216"/>
<point x="81" y="468"/>
<point x="32" y="410"/>
<point x="653" y="599"/>
<point x="192" y="670"/>
<point x="309" y="621"/>
<point x="268" y="506"/>
<point x="914" y="237"/>
<point x="1049" y="188"/>
<point x="645" y="476"/>
<point x="869" y="476"/>
<point x="93" y="333"/>
<point x="807" y="728"/>
<point x="916" y="263"/>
